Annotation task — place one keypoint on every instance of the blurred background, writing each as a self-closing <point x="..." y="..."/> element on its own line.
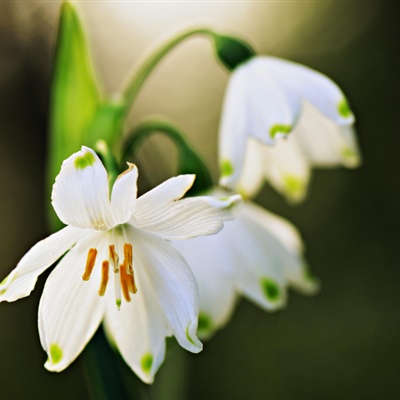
<point x="341" y="344"/>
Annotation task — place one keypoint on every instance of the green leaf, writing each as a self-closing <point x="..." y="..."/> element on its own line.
<point x="75" y="95"/>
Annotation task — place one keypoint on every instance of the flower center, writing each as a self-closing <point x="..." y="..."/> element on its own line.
<point x="124" y="277"/>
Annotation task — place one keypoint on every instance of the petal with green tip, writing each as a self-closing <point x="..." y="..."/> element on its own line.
<point x="70" y="308"/>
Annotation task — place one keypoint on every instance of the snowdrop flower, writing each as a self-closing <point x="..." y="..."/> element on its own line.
<point x="257" y="255"/>
<point x="269" y="99"/>
<point x="118" y="265"/>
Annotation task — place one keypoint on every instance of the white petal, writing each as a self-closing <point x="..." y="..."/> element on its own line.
<point x="210" y="259"/>
<point x="123" y="195"/>
<point x="173" y="283"/>
<point x="42" y="255"/>
<point x="305" y="83"/>
<point x="255" y="105"/>
<point x="252" y="177"/>
<point x="324" y="142"/>
<point x="167" y="192"/>
<point x="296" y="270"/>
<point x="70" y="309"/>
<point x="190" y="217"/>
<point x="234" y="128"/>
<point x="287" y="168"/>
<point x="272" y="113"/>
<point x="80" y="194"/>
<point x="258" y="262"/>
<point x="139" y="328"/>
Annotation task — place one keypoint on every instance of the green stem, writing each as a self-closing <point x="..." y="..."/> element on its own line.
<point x="140" y="133"/>
<point x="145" y="68"/>
<point x="173" y="379"/>
<point x="189" y="162"/>
<point x="103" y="372"/>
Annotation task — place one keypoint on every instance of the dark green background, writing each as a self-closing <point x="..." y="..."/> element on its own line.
<point x="342" y="344"/>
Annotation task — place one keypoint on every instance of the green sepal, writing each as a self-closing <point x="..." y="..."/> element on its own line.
<point x="189" y="162"/>
<point x="232" y="51"/>
<point x="75" y="95"/>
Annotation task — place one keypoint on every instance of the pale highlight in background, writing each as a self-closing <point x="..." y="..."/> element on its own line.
<point x="189" y="84"/>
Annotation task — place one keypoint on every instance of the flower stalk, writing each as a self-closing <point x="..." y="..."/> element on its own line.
<point x="230" y="51"/>
<point x="189" y="162"/>
<point x="151" y="61"/>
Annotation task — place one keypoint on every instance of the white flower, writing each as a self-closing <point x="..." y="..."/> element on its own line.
<point x="119" y="266"/>
<point x="257" y="255"/>
<point x="268" y="98"/>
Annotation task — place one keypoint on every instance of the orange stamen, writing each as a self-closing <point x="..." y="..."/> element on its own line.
<point x="128" y="258"/>
<point x="124" y="282"/>
<point x="113" y="257"/>
<point x="131" y="283"/>
<point x="128" y="262"/>
<point x="104" y="277"/>
<point x="90" y="262"/>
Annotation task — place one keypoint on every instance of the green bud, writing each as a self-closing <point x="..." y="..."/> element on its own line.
<point x="232" y="51"/>
<point x="75" y="95"/>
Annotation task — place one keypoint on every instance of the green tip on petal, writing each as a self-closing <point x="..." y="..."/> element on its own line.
<point x="283" y="129"/>
<point x="307" y="274"/>
<point x="226" y="168"/>
<point x="84" y="161"/>
<point x="350" y="157"/>
<point x="344" y="109"/>
<point x="118" y="303"/>
<point x="312" y="283"/>
<point x="146" y="362"/>
<point x="232" y="202"/>
<point x="294" y="187"/>
<point x="271" y="289"/>
<point x="188" y="336"/>
<point x="205" y="323"/>
<point x="56" y="353"/>
<point x="3" y="282"/>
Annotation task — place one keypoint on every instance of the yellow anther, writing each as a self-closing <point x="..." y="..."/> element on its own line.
<point x="104" y="277"/>
<point x="128" y="257"/>
<point x="128" y="263"/>
<point x="124" y="282"/>
<point x="90" y="262"/>
<point x="113" y="257"/>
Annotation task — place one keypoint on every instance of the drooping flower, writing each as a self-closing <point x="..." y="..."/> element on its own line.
<point x="118" y="265"/>
<point x="269" y="99"/>
<point x="258" y="255"/>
